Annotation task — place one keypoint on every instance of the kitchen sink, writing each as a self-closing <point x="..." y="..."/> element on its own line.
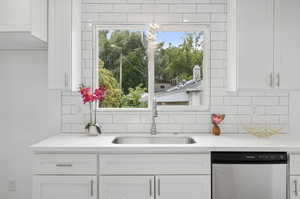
<point x="153" y="140"/>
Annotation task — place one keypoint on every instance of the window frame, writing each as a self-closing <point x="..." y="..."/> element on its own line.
<point x="151" y="66"/>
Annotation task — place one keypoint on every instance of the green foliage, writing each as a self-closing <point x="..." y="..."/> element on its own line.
<point x="132" y="99"/>
<point x="178" y="62"/>
<point x="134" y="49"/>
<point x="114" y="93"/>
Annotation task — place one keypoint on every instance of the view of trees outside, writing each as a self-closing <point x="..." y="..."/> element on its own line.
<point x="123" y="64"/>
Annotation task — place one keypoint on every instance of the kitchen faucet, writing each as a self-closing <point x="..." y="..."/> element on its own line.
<point x="154" y="115"/>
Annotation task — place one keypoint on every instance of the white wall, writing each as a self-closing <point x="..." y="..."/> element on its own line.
<point x="28" y="113"/>
<point x="273" y="107"/>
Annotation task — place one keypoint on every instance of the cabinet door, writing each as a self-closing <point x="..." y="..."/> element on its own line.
<point x="295" y="187"/>
<point x="15" y="15"/>
<point x="179" y="187"/>
<point x="64" y="60"/>
<point x="255" y="44"/>
<point x="126" y="187"/>
<point x="63" y="187"/>
<point x="287" y="43"/>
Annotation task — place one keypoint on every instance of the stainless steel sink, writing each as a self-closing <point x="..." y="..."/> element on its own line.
<point x="153" y="140"/>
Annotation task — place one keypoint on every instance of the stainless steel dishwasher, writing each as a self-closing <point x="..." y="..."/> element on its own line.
<point x="249" y="175"/>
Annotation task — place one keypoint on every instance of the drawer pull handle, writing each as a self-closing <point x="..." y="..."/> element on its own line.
<point x="278" y="80"/>
<point x="158" y="186"/>
<point x="150" y="188"/>
<point x="296" y="187"/>
<point x="92" y="188"/>
<point x="271" y="80"/>
<point x="64" y="165"/>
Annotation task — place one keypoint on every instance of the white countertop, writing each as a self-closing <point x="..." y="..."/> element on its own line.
<point x="204" y="143"/>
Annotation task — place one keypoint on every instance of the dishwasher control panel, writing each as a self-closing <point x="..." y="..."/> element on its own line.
<point x="249" y="157"/>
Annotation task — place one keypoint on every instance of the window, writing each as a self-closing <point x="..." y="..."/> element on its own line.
<point x="168" y="62"/>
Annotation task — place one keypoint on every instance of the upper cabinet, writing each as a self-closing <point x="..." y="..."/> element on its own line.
<point x="263" y="42"/>
<point x="64" y="46"/>
<point x="23" y="24"/>
<point x="287" y="43"/>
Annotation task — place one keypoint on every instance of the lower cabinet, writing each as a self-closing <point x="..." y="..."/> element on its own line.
<point x="126" y="187"/>
<point x="294" y="187"/>
<point x="64" y="187"/>
<point x="159" y="187"/>
<point x="181" y="186"/>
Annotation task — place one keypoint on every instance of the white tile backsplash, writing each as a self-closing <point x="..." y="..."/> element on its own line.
<point x="270" y="106"/>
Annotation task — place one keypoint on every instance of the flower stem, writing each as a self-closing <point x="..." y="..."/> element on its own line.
<point x="91" y="116"/>
<point x="95" y="119"/>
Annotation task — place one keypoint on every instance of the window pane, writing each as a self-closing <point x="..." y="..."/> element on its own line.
<point x="179" y="68"/>
<point x="123" y="68"/>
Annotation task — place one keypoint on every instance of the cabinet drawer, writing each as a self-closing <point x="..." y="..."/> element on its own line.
<point x="154" y="164"/>
<point x="65" y="164"/>
<point x="295" y="164"/>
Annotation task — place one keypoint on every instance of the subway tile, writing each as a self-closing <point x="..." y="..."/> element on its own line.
<point x="127" y="8"/>
<point x="217" y="73"/>
<point x="66" y="109"/>
<point x="218" y="63"/>
<point x="119" y="117"/>
<point x="169" y="128"/>
<point x="265" y="100"/>
<point x="283" y="100"/>
<point x="217" y="100"/>
<point x="280" y="110"/>
<point x="237" y="100"/>
<point x="112" y="17"/>
<point x="100" y="8"/>
<point x="218" y="27"/>
<point x="155" y="8"/>
<point x="164" y="18"/>
<point x="114" y="128"/>
<point x="224" y="109"/>
<point x="218" y="36"/>
<point x="216" y="17"/>
<point x="103" y="1"/>
<point x="196" y="128"/>
<point x="201" y="17"/>
<point x="183" y="118"/>
<point x="146" y="18"/>
<point x="139" y="128"/>
<point x="218" y="45"/>
<point x="182" y="8"/>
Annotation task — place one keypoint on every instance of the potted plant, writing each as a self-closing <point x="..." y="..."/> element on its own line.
<point x="92" y="98"/>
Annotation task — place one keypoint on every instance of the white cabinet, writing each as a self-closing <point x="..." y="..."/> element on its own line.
<point x="64" y="51"/>
<point x="126" y="187"/>
<point x="23" y="24"/>
<point x="168" y="186"/>
<point x="64" y="187"/>
<point x="287" y="43"/>
<point x="263" y="47"/>
<point x="183" y="186"/>
<point x="176" y="176"/>
<point x="255" y="43"/>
